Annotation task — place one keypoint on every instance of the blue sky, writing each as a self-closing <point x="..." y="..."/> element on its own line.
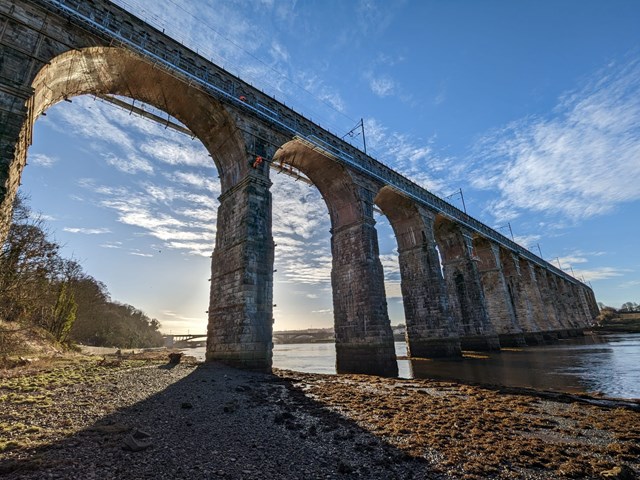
<point x="532" y="108"/>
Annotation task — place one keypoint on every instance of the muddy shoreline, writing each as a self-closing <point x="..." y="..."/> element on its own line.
<point x="78" y="418"/>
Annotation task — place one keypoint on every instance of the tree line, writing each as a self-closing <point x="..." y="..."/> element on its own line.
<point x="39" y="288"/>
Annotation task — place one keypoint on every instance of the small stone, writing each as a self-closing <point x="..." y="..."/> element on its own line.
<point x="175" y="357"/>
<point x="344" y="467"/>
<point x="186" y="405"/>
<point x="230" y="407"/>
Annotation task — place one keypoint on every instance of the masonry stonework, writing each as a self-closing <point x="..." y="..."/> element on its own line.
<point x="430" y="328"/>
<point x="241" y="304"/>
<point x="464" y="288"/>
<point x="500" y="306"/>
<point x="53" y="50"/>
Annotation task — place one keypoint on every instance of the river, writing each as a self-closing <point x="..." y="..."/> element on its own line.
<point x="605" y="364"/>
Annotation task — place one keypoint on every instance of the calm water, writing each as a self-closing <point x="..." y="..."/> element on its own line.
<point x="609" y="364"/>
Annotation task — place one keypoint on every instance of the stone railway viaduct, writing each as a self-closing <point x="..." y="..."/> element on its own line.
<point x="490" y="291"/>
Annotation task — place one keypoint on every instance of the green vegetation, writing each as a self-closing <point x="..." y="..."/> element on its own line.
<point x="51" y="297"/>
<point x="29" y="393"/>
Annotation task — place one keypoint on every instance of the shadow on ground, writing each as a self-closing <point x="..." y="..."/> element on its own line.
<point x="217" y="422"/>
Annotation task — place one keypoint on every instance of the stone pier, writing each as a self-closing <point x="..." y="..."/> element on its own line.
<point x="430" y="328"/>
<point x="364" y="339"/>
<point x="499" y="301"/>
<point x="241" y="303"/>
<point x="462" y="279"/>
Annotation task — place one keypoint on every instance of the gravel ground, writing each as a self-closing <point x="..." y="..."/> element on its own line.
<point x="140" y="419"/>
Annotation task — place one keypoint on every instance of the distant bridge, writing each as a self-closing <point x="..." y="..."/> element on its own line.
<point x="464" y="285"/>
<point x="171" y="341"/>
<point x="286" y="336"/>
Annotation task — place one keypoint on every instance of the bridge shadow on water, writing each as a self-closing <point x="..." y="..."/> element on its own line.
<point x="212" y="421"/>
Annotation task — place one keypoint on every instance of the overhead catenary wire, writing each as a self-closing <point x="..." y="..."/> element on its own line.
<point x="280" y="167"/>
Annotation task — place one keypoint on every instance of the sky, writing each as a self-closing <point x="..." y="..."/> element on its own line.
<point x="530" y="109"/>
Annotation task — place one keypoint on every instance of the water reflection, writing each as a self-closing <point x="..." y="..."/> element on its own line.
<point x="609" y="364"/>
<point x="606" y="364"/>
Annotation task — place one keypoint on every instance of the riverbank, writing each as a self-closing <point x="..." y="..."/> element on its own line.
<point x="81" y="417"/>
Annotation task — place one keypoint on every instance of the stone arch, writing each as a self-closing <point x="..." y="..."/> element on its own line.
<point x="430" y="327"/>
<point x="109" y="70"/>
<point x="240" y="316"/>
<point x="499" y="297"/>
<point x="364" y="339"/>
<point x="346" y="201"/>
<point x="464" y="286"/>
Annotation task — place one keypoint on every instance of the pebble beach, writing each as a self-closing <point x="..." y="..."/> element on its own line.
<point x="141" y="417"/>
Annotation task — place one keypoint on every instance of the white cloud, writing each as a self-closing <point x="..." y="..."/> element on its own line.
<point x="178" y="152"/>
<point x="528" y="241"/>
<point x="580" y="161"/>
<point x="571" y="260"/>
<point x="140" y="254"/>
<point x="94" y="121"/>
<point x="300" y="228"/>
<point x="601" y="273"/>
<point x="42" y="160"/>
<point x="317" y="87"/>
<point x="131" y="164"/>
<point x="197" y="180"/>
<point x="279" y="52"/>
<point x="393" y="290"/>
<point x="382" y="86"/>
<point x="87" y="231"/>
<point x="374" y="16"/>
<point x="416" y="161"/>
<point x="111" y="245"/>
<point x="391" y="267"/>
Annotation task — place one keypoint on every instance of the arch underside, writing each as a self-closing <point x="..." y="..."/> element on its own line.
<point x="364" y="339"/>
<point x="116" y="71"/>
<point x="431" y="326"/>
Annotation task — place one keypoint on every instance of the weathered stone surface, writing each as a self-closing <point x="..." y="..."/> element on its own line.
<point x="362" y="325"/>
<point x="430" y="328"/>
<point x="552" y="311"/>
<point x="361" y="321"/>
<point x="462" y="279"/>
<point x="241" y="303"/>
<point x="499" y="302"/>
